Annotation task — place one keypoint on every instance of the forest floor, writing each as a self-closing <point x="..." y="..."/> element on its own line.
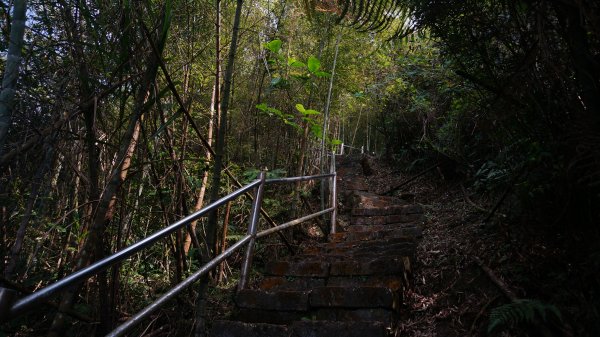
<point x="465" y="267"/>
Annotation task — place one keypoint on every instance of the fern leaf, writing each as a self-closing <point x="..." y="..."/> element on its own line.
<point x="521" y="312"/>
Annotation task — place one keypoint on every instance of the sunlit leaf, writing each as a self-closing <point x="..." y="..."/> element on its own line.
<point x="300" y="108"/>
<point x="262" y="106"/>
<point x="274" y="46"/>
<point x="292" y="62"/>
<point x="322" y="74"/>
<point x="313" y="64"/>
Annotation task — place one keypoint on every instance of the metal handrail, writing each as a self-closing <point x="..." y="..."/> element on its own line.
<point x="12" y="309"/>
<point x="29" y="301"/>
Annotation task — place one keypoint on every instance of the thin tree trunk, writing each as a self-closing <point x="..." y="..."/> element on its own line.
<point x="211" y="229"/>
<point x="9" y="272"/>
<point x="214" y="113"/>
<point x="92" y="248"/>
<point x="11" y="70"/>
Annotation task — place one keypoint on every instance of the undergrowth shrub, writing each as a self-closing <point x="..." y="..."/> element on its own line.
<point x="523" y="312"/>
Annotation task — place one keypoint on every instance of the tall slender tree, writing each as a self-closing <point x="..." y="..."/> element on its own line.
<point x="11" y="70"/>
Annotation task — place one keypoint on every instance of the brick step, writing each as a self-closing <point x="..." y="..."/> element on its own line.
<point x="291" y="283"/>
<point x="368" y="266"/>
<point x="278" y="283"/>
<point x="387" y="219"/>
<point x="397" y="249"/>
<point x="343" y="265"/>
<point x="374" y="241"/>
<point x="384" y="316"/>
<point x="333" y="258"/>
<point x="371" y="200"/>
<point x="298" y="329"/>
<point x="373" y="235"/>
<point x="387" y="210"/>
<point x="357" y="297"/>
<point x="410" y="228"/>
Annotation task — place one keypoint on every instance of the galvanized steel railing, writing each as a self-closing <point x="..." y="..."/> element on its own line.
<point x="12" y="307"/>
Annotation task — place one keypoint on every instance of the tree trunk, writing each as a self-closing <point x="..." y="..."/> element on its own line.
<point x="93" y="246"/>
<point x="9" y="272"/>
<point x="211" y="229"/>
<point x="214" y="113"/>
<point x="11" y="70"/>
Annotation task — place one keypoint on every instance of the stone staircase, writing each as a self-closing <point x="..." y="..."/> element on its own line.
<point x="349" y="286"/>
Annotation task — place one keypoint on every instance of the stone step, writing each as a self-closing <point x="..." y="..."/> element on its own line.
<point x="298" y="329"/>
<point x="390" y="262"/>
<point x="372" y="235"/>
<point x="282" y="300"/>
<point x="371" y="200"/>
<point x="387" y="219"/>
<point x="387" y="210"/>
<point x="413" y="229"/>
<point x="382" y="315"/>
<point x="290" y="283"/>
<point x="309" y="268"/>
<point x="355" y="297"/>
<point x="373" y="239"/>
<point x="392" y="282"/>
<point x="396" y="249"/>
<point x="400" y="265"/>
<point x="278" y="283"/>
<point x="358" y="297"/>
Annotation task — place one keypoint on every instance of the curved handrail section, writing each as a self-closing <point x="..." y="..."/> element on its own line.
<point x="11" y="307"/>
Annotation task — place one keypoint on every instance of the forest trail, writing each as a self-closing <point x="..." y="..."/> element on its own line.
<point x="351" y="285"/>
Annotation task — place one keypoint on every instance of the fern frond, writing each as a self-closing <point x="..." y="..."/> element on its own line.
<point x="521" y="312"/>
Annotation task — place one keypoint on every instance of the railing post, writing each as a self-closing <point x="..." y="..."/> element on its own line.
<point x="7" y="298"/>
<point x="252" y="228"/>
<point x="333" y="193"/>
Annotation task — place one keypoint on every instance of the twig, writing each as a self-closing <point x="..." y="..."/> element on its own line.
<point x="470" y="202"/>
<point x="505" y="194"/>
<point x="406" y="182"/>
<point x="503" y="287"/>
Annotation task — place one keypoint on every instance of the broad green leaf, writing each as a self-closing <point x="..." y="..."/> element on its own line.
<point x="359" y="94"/>
<point x="300" y="108"/>
<point x="311" y="112"/>
<point x="336" y="142"/>
<point x="262" y="106"/>
<point x="274" y="46"/>
<point x="313" y="64"/>
<point x="322" y="74"/>
<point x="292" y="62"/>
<point x="316" y="131"/>
<point x="275" y="81"/>
<point x="301" y="77"/>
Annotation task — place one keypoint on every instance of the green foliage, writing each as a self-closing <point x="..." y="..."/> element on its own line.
<point x="521" y="312"/>
<point x="252" y="174"/>
<point x="313" y="64"/>
<point x="274" y="46"/>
